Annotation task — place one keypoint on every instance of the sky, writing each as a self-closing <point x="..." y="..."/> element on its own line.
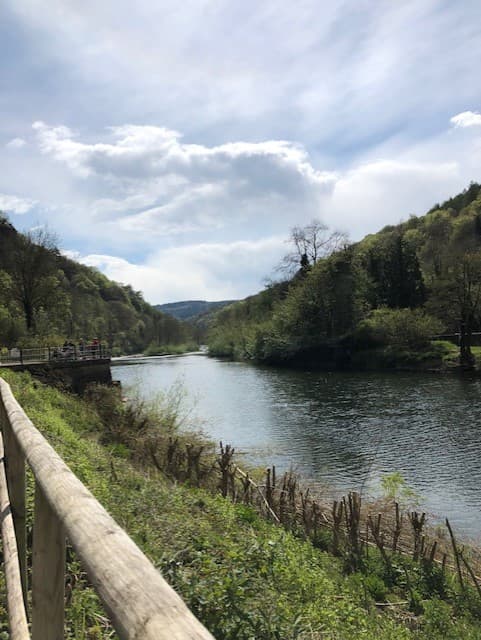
<point x="174" y="145"/>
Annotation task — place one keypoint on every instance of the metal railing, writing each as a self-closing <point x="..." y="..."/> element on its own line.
<point x="54" y="354"/>
<point x="140" y="604"/>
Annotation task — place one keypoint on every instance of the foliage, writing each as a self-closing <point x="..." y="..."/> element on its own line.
<point x="46" y="298"/>
<point x="395" y="487"/>
<point x="411" y="328"/>
<point x="242" y="576"/>
<point x="380" y="300"/>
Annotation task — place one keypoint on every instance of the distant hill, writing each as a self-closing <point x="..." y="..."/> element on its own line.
<point x="190" y="309"/>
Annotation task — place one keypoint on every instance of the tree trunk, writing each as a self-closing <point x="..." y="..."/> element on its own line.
<point x="466" y="358"/>
<point x="29" y="316"/>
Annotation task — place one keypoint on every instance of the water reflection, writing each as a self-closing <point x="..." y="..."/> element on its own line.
<point x="345" y="429"/>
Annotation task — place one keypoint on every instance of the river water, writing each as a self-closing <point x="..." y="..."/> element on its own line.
<point x="344" y="430"/>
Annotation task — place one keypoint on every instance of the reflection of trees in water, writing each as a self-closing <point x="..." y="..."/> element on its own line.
<point x="423" y="426"/>
<point x="347" y="429"/>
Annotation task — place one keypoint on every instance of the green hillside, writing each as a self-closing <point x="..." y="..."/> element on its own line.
<point x="374" y="303"/>
<point x="45" y="298"/>
<point x="191" y="309"/>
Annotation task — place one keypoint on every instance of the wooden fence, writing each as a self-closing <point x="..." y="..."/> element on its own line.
<point x="140" y="604"/>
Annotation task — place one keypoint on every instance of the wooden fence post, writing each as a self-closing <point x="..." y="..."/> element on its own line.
<point x="137" y="599"/>
<point x="16" y="604"/>
<point x="48" y="572"/>
<point x="15" y="472"/>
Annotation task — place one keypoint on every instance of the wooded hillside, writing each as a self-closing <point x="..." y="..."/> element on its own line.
<point x="393" y="290"/>
<point x="191" y="309"/>
<point x="45" y="298"/>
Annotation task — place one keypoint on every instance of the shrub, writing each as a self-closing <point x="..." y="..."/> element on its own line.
<point x="410" y="328"/>
<point x="376" y="588"/>
<point x="395" y="487"/>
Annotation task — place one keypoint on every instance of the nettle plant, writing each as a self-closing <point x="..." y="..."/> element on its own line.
<point x="394" y="487"/>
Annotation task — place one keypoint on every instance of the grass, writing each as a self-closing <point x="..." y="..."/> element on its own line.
<point x="451" y="353"/>
<point x="245" y="578"/>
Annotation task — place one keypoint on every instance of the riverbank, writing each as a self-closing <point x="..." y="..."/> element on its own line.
<point x="437" y="357"/>
<point x="344" y="430"/>
<point x="241" y="575"/>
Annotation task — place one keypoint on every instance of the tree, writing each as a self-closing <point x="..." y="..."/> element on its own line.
<point x="309" y="244"/>
<point x="458" y="296"/>
<point x="322" y="306"/>
<point x="35" y="282"/>
<point x="438" y="228"/>
<point x="467" y="298"/>
<point x="395" y="273"/>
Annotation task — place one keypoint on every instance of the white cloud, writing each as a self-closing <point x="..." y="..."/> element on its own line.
<point x="242" y="70"/>
<point x="16" y="143"/>
<point x="266" y="97"/>
<point x="385" y="191"/>
<point x="152" y="182"/>
<point x="174" y="218"/>
<point x="71" y="254"/>
<point x="15" y="204"/>
<point x="214" y="271"/>
<point x="467" y="119"/>
<point x="143" y="151"/>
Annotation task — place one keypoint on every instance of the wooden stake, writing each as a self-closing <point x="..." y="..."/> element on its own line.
<point x="456" y="555"/>
<point x="17" y="616"/>
<point x="48" y="572"/>
<point x="15" y="472"/>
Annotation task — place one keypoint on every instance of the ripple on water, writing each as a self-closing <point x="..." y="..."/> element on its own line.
<point x="345" y="429"/>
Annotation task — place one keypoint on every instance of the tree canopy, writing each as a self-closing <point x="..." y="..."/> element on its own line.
<point x="46" y="297"/>
<point x="421" y="277"/>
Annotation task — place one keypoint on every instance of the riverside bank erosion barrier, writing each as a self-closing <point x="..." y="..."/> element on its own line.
<point x="139" y="602"/>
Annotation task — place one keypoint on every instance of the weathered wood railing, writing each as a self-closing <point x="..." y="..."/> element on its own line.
<point x="140" y="604"/>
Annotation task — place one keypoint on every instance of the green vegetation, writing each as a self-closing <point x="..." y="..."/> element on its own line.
<point x="46" y="298"/>
<point x="242" y="576"/>
<point x="375" y="303"/>
<point x="395" y="487"/>
<point x="191" y="309"/>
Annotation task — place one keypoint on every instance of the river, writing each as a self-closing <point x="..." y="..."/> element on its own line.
<point x="344" y="430"/>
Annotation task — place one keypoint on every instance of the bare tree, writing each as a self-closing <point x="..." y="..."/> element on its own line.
<point x="309" y="244"/>
<point x="34" y="281"/>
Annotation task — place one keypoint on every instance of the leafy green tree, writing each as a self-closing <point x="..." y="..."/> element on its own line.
<point x="438" y="227"/>
<point x="394" y="269"/>
<point x="458" y="296"/>
<point x="46" y="296"/>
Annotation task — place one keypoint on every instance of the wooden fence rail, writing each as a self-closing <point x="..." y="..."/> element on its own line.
<point x="141" y="605"/>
